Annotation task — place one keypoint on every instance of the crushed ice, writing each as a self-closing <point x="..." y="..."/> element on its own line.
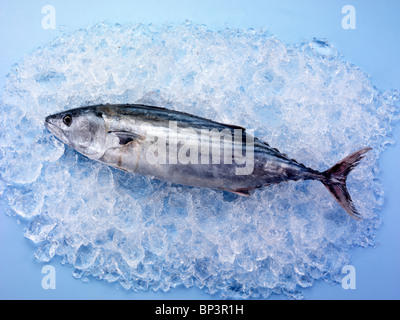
<point x="303" y="99"/>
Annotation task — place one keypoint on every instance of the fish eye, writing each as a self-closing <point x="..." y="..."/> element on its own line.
<point x="67" y="120"/>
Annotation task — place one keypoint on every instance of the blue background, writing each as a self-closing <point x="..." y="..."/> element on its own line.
<point x="374" y="46"/>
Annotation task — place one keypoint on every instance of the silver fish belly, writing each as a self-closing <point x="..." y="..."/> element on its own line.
<point x="186" y="149"/>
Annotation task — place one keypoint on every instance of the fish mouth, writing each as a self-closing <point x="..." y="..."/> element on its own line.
<point x="47" y="122"/>
<point x="55" y="130"/>
<point x="50" y="126"/>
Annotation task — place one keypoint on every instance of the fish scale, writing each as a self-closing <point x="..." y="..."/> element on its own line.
<point x="150" y="140"/>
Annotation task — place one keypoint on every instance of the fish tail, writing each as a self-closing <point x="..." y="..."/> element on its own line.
<point x="334" y="179"/>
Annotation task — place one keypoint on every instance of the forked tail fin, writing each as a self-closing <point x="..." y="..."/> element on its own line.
<point x="335" y="181"/>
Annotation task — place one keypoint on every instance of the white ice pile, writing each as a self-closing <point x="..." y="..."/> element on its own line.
<point x="303" y="99"/>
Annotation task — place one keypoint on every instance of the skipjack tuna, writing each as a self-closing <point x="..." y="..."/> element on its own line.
<point x="186" y="149"/>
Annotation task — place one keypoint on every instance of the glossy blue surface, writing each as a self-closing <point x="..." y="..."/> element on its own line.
<point x="373" y="46"/>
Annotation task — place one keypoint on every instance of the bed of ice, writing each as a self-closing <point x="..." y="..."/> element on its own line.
<point x="303" y="99"/>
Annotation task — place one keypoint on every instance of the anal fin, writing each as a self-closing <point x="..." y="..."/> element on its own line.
<point x="244" y="192"/>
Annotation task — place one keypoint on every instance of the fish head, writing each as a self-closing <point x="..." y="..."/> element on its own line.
<point x="82" y="129"/>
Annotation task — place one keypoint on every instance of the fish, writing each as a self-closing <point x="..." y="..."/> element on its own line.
<point x="186" y="149"/>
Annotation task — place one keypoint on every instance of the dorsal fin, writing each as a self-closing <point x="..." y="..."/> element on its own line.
<point x="233" y="126"/>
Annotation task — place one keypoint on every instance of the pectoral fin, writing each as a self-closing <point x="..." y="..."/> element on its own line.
<point x="125" y="136"/>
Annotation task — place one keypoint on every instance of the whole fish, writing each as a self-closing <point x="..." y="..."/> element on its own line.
<point x="186" y="149"/>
